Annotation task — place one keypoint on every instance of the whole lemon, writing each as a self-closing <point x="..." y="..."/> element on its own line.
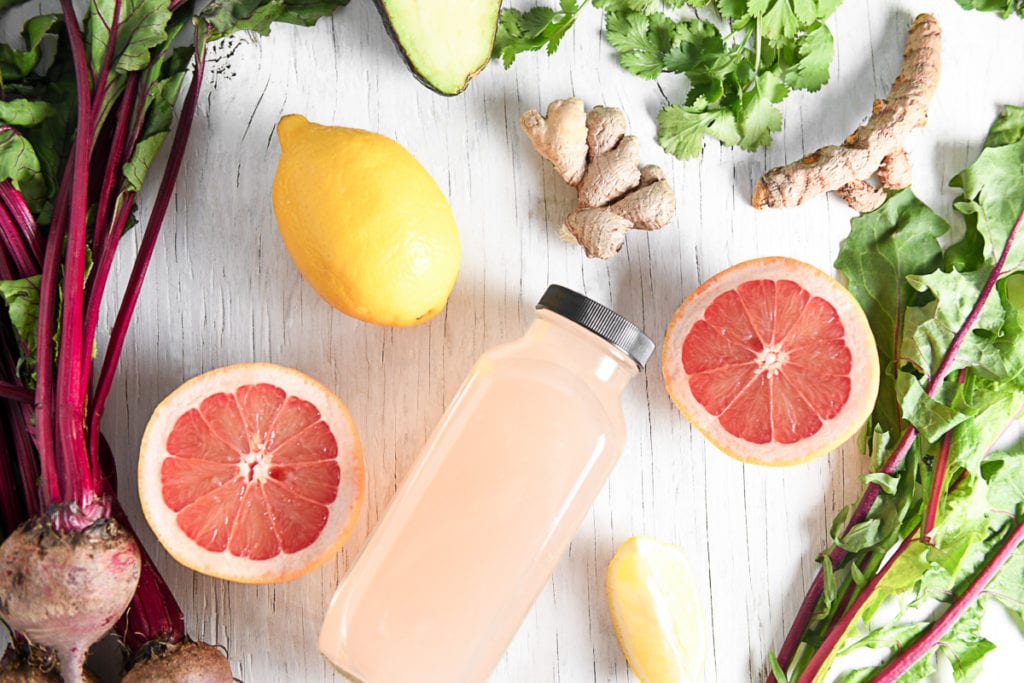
<point x="365" y="223"/>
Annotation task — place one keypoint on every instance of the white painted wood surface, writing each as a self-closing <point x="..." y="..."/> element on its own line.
<point x="222" y="289"/>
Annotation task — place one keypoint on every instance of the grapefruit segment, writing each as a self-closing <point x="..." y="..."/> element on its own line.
<point x="225" y="419"/>
<point x="192" y="438"/>
<point x="317" y="481"/>
<point x="253" y="533"/>
<point x="719" y="387"/>
<point x="186" y="480"/>
<point x="711" y="348"/>
<point x="773" y="361"/>
<point x="260" y="404"/>
<point x="251" y="473"/>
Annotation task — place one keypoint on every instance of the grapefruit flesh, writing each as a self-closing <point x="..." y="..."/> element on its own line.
<point x="252" y="473"/>
<point x="773" y="360"/>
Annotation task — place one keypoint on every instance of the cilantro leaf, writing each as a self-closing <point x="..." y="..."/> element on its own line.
<point x="769" y="48"/>
<point x="681" y="130"/>
<point x="758" y="116"/>
<point x="1004" y="8"/>
<point x="643" y="41"/>
<point x="809" y="66"/>
<point x="537" y="28"/>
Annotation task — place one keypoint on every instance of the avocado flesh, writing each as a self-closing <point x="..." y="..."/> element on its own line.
<point x="445" y="42"/>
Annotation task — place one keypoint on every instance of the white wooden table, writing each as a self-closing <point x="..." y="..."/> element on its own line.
<point x="222" y="289"/>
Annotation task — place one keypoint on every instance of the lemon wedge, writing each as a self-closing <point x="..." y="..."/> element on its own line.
<point x="657" y="611"/>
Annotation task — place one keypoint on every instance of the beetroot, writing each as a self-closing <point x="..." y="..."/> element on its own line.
<point x="23" y="663"/>
<point x="186" y="662"/>
<point x="66" y="589"/>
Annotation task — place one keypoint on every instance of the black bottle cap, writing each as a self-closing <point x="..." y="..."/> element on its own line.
<point x="600" y="320"/>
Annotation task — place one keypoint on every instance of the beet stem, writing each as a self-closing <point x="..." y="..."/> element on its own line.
<point x="50" y="483"/>
<point x="71" y="390"/>
<point x="807" y="607"/>
<point x="11" y="235"/>
<point x="131" y="295"/>
<point x="16" y="206"/>
<point x="933" y="635"/>
<point x="15" y="392"/>
<point x="836" y="632"/>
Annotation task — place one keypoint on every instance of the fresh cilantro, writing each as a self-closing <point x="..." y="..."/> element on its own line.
<point x="736" y="77"/>
<point x="681" y="130"/>
<point x="1004" y="8"/>
<point x="539" y="27"/>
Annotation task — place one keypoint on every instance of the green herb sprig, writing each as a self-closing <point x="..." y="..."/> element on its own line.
<point x="740" y="63"/>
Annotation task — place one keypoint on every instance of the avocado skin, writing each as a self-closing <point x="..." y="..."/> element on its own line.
<point x="389" y="26"/>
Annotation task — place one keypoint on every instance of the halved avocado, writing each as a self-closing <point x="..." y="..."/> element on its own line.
<point x="444" y="42"/>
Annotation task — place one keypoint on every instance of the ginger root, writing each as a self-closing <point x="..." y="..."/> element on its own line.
<point x="874" y="148"/>
<point x="593" y="154"/>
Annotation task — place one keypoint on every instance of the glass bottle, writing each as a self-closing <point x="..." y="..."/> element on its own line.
<point x="491" y="503"/>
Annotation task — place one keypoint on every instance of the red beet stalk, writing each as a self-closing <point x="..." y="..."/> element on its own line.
<point x="933" y="636"/>
<point x="893" y="462"/>
<point x="79" y="567"/>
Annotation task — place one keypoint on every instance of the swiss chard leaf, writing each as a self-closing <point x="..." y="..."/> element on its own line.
<point x="22" y="300"/>
<point x="141" y="26"/>
<point x="899" y="239"/>
<point x="17" y="64"/>
<point x="1003" y="8"/>
<point x="20" y="164"/>
<point x="929" y="329"/>
<point x="224" y="17"/>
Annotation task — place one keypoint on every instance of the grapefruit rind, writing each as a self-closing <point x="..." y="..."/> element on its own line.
<point x="343" y="511"/>
<point x="864" y="372"/>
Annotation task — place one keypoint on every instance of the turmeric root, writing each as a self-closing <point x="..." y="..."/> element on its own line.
<point x="874" y="148"/>
<point x="593" y="154"/>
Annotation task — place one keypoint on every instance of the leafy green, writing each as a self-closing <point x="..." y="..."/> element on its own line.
<point x="539" y="27"/>
<point x="899" y="239"/>
<point x="681" y="130"/>
<point x="922" y="301"/>
<point x="735" y="82"/>
<point x="736" y="77"/>
<point x="20" y="164"/>
<point x="224" y="17"/>
<point x="1004" y="8"/>
<point x="17" y="64"/>
<point x="22" y="300"/>
<point x="141" y="27"/>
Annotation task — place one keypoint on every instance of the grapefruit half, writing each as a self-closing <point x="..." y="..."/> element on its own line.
<point x="251" y="473"/>
<point x="773" y="361"/>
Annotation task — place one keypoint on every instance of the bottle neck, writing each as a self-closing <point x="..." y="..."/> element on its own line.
<point x="581" y="350"/>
